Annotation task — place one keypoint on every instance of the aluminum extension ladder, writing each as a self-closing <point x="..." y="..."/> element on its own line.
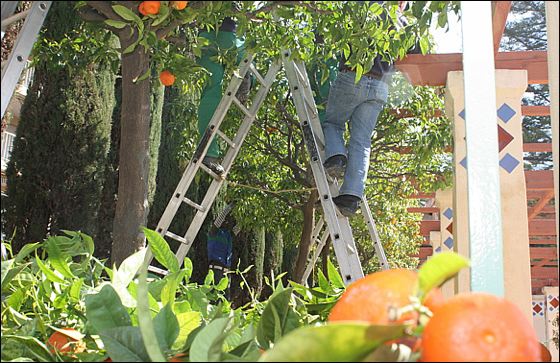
<point x="17" y="60"/>
<point x="337" y="226"/>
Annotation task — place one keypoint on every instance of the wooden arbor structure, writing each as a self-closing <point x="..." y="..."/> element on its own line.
<point x="539" y="187"/>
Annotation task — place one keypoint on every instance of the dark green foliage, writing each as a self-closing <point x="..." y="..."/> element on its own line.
<point x="55" y="174"/>
<point x="110" y="186"/>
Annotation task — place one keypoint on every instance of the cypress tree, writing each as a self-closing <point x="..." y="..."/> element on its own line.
<point x="55" y="174"/>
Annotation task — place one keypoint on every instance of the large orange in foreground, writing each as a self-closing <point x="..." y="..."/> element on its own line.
<point x="371" y="298"/>
<point x="63" y="342"/>
<point x="479" y="327"/>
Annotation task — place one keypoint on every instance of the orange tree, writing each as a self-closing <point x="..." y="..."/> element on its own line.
<point x="163" y="35"/>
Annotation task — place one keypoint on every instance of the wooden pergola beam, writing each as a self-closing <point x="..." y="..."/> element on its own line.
<point x="537" y="147"/>
<point x="539" y="180"/>
<point x="432" y="69"/>
<point x="535" y="110"/>
<point x="500" y="11"/>
<point x="540" y="205"/>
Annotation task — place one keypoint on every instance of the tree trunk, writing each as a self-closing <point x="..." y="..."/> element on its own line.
<point x="305" y="241"/>
<point x="134" y="158"/>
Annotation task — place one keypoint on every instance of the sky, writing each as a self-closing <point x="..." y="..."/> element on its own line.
<point x="450" y="41"/>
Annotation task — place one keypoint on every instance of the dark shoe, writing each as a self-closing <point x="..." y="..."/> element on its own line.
<point x="335" y="166"/>
<point x="213" y="164"/>
<point x="347" y="204"/>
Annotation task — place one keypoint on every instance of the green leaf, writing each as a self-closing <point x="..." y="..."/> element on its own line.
<point x="75" y="289"/>
<point x="160" y="249"/>
<point x="50" y="274"/>
<point x="223" y="284"/>
<point x="131" y="47"/>
<point x="145" y="322"/>
<point x="128" y="268"/>
<point x="35" y="348"/>
<point x="438" y="269"/>
<point x="126" y="13"/>
<point x="56" y="258"/>
<point x="334" y="276"/>
<point x="26" y="250"/>
<point x="124" y="344"/>
<point x="142" y="77"/>
<point x="278" y="319"/>
<point x="335" y="342"/>
<point x="207" y="346"/>
<point x="104" y="310"/>
<point x="424" y="45"/>
<point x="170" y="288"/>
<point x="188" y="322"/>
<point x="162" y="16"/>
<point x="166" y="327"/>
<point x="359" y="72"/>
<point x="115" y="23"/>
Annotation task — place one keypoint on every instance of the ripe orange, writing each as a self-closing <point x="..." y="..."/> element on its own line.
<point x="179" y="5"/>
<point x="167" y="78"/>
<point x="545" y="354"/>
<point x="65" y="343"/>
<point x="434" y="300"/>
<point x="371" y="298"/>
<point x="149" y="7"/>
<point x="479" y="327"/>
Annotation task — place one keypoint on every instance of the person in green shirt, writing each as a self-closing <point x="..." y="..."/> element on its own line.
<point x="224" y="39"/>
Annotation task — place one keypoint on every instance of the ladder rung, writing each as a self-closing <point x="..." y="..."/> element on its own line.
<point x="158" y="270"/>
<point x="226" y="139"/>
<point x="12" y="19"/>
<point x="212" y="174"/>
<point x="175" y="237"/>
<point x="193" y="204"/>
<point x="257" y="74"/>
<point x="242" y="107"/>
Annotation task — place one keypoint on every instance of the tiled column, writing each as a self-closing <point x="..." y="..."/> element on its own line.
<point x="551" y="312"/>
<point x="444" y="201"/>
<point x="510" y="86"/>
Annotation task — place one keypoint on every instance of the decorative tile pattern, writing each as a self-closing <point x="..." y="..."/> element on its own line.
<point x="538" y="308"/>
<point x="509" y="163"/>
<point x="448" y="243"/>
<point x="450" y="228"/>
<point x="438" y="250"/>
<point x="552" y="302"/>
<point x="464" y="162"/>
<point x="448" y="213"/>
<point x="505" y="112"/>
<point x="462" y="114"/>
<point x="504" y="138"/>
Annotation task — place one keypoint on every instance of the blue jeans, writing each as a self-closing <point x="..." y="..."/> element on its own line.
<point x="360" y="104"/>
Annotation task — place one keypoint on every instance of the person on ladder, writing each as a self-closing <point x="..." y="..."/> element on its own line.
<point x="224" y="39"/>
<point x="359" y="104"/>
<point x="220" y="243"/>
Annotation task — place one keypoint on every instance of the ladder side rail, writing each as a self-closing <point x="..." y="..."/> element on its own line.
<point x="375" y="236"/>
<point x="20" y="53"/>
<point x="340" y="246"/>
<point x="8" y="8"/>
<point x="202" y="149"/>
<point x="228" y="160"/>
<point x="316" y="253"/>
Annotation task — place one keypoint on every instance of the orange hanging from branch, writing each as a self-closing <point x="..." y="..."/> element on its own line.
<point x="179" y="5"/>
<point x="167" y="78"/>
<point x="149" y="7"/>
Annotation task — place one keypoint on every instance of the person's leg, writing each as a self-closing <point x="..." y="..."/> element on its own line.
<point x="340" y="105"/>
<point x="362" y="124"/>
<point x="210" y="98"/>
